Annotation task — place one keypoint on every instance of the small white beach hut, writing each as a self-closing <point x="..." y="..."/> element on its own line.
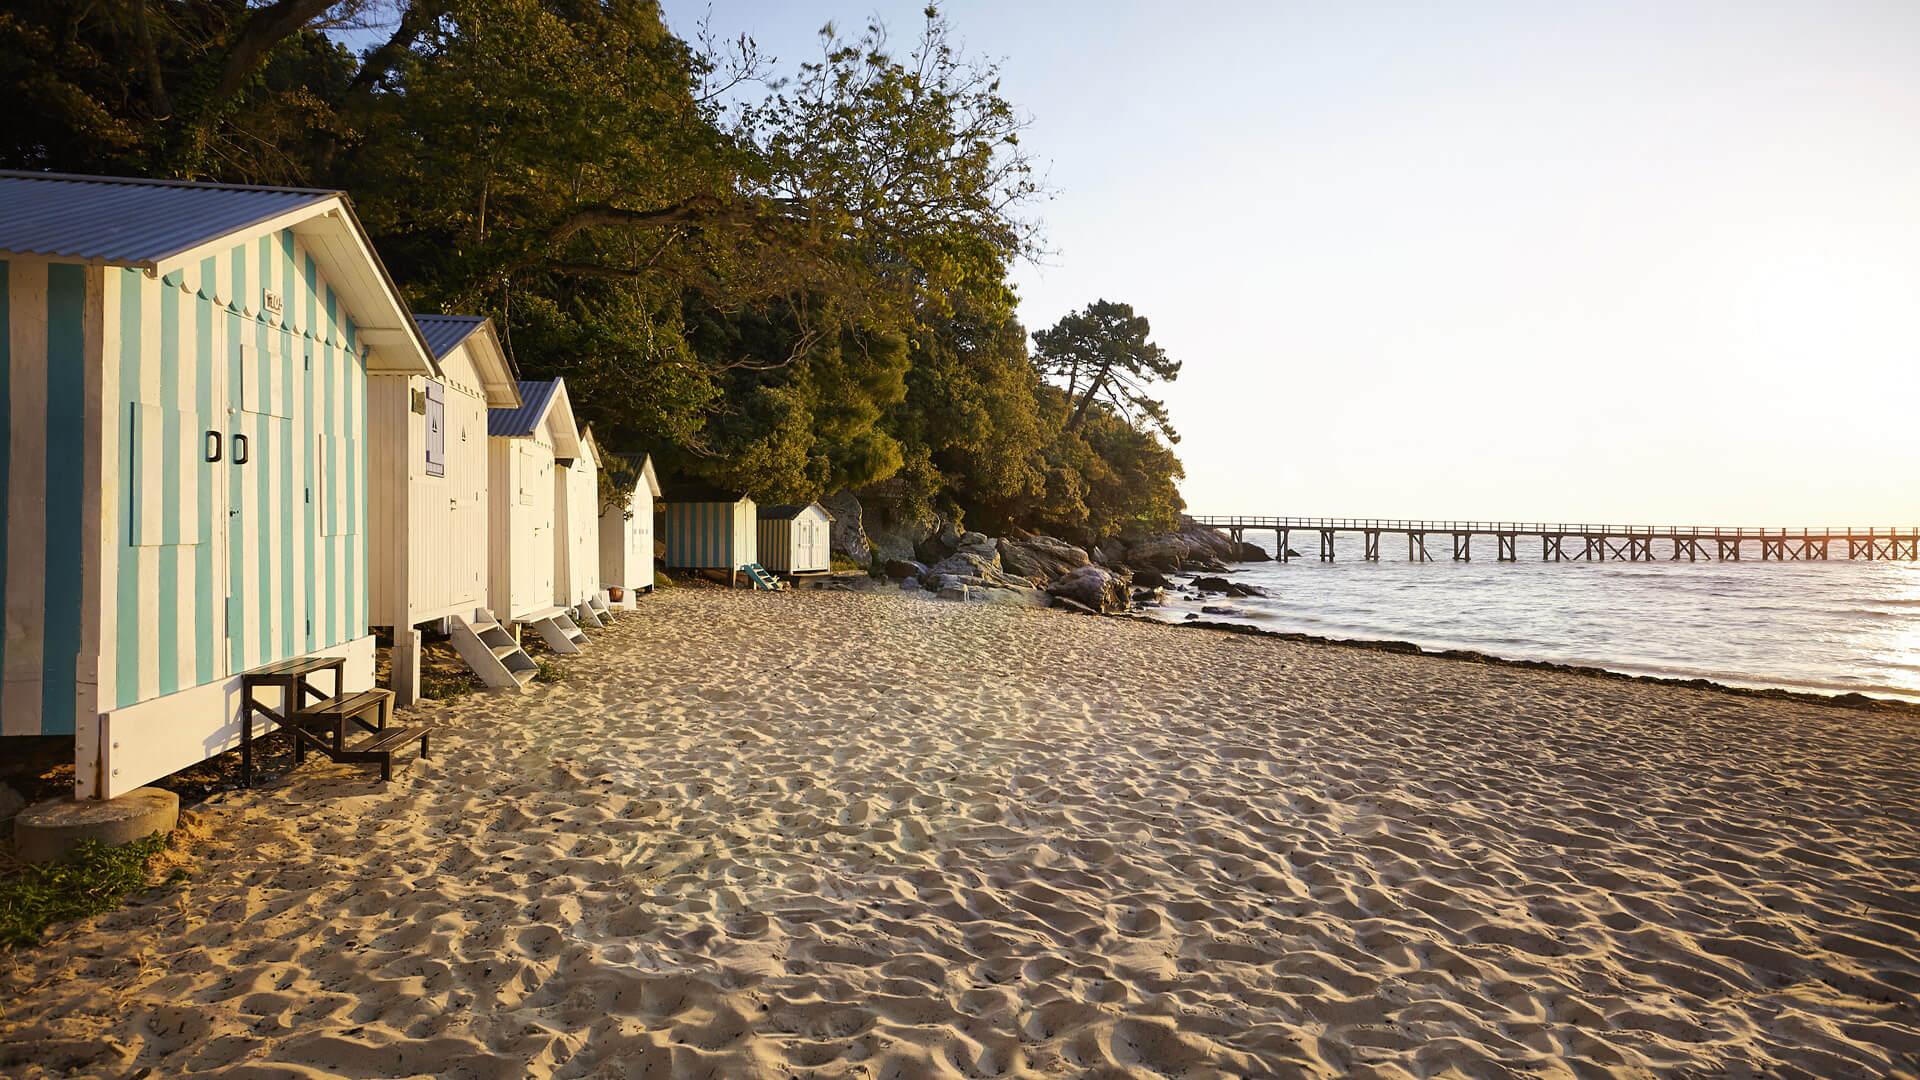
<point x="183" y="456"/>
<point x="524" y="446"/>
<point x="428" y="488"/>
<point x="577" y="498"/>
<point x="796" y="538"/>
<point x="626" y="525"/>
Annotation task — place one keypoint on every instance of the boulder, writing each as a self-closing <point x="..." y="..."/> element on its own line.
<point x="910" y="584"/>
<point x="1222" y="585"/>
<point x="1152" y="579"/>
<point x="1094" y="587"/>
<point x="979" y="544"/>
<point x="937" y="544"/>
<point x="1041" y="558"/>
<point x="1245" y="552"/>
<point x="905" y="568"/>
<point x="969" y="568"/>
<point x="1219" y="609"/>
<point x="954" y="592"/>
<point x="1014" y="597"/>
<point x="848" y="535"/>
<point x="1154" y="597"/>
<point x="1110" y="552"/>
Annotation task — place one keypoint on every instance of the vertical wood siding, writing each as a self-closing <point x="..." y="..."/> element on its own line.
<point x="202" y="569"/>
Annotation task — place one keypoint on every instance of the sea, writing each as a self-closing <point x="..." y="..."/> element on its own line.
<point x="1831" y="627"/>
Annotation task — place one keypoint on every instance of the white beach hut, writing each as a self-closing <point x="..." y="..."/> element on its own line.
<point x="523" y="448"/>
<point x="796" y="538"/>
<point x="183" y="465"/>
<point x="626" y="526"/>
<point x="428" y="493"/>
<point x="577" y="499"/>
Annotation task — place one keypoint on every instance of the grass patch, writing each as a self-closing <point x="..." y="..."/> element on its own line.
<point x="436" y="686"/>
<point x="549" y="672"/>
<point x="842" y="563"/>
<point x="93" y="879"/>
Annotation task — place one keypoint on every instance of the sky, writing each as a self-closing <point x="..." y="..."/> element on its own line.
<point x="1635" y="263"/>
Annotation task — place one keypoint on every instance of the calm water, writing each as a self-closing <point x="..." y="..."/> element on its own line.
<point x="1829" y="627"/>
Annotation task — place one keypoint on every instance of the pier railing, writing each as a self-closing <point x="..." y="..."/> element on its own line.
<point x="1590" y="541"/>
<point x="1537" y="528"/>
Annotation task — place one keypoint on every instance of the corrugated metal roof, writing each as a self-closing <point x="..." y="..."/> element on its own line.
<point x="130" y="222"/>
<point x="789" y="511"/>
<point x="534" y="396"/>
<point x="443" y="332"/>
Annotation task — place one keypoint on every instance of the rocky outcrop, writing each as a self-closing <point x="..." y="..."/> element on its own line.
<point x="971" y="568"/>
<point x="1041" y="558"/>
<point x="1190" y="547"/>
<point x="1094" y="588"/>
<point x="849" y="534"/>
<point x="905" y="568"/>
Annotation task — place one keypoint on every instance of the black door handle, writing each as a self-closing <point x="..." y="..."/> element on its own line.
<point x="213" y="446"/>
<point x="239" y="449"/>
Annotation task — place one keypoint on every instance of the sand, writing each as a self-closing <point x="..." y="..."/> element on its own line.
<point x="824" y="835"/>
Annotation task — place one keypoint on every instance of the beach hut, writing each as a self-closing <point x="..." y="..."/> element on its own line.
<point x="706" y="529"/>
<point x="524" y="448"/>
<point x="796" y="538"/>
<point x="427" y="487"/>
<point x="183" y="391"/>
<point x="626" y="525"/>
<point x="577" y="500"/>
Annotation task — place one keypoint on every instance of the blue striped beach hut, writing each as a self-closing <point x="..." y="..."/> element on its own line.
<point x="183" y="398"/>
<point x="709" y="530"/>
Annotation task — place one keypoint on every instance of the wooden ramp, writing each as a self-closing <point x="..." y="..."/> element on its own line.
<point x="761" y="578"/>
<point x="491" y="651"/>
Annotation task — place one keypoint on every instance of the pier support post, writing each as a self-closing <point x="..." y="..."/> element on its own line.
<point x="1280" y="537"/>
<point x="1462" y="547"/>
<point x="1326" y="545"/>
<point x="1372" y="537"/>
<point x="1508" y="542"/>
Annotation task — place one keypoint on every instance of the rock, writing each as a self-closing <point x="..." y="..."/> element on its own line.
<point x="1155" y="597"/>
<point x="912" y="583"/>
<point x="1292" y="554"/>
<point x="953" y="592"/>
<point x="1110" y="552"/>
<point x="1092" y="587"/>
<point x="1015" y="597"/>
<point x="1152" y="579"/>
<point x="969" y="568"/>
<point x="943" y="541"/>
<point x="1219" y="609"/>
<point x="11" y="803"/>
<point x="1245" y="552"/>
<point x="1041" y="558"/>
<point x="848" y="535"/>
<point x="905" y="568"/>
<point x="1222" y="585"/>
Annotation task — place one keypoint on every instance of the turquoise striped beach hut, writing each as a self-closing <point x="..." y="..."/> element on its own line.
<point x="709" y="530"/>
<point x="183" y="402"/>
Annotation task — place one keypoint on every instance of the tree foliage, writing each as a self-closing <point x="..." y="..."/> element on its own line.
<point x="785" y="282"/>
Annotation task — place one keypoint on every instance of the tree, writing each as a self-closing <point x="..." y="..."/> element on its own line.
<point x="1103" y="354"/>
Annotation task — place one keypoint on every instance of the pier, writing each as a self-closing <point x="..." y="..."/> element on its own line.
<point x="1582" y="542"/>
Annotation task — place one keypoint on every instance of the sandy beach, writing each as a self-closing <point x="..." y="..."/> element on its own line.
<point x="826" y="835"/>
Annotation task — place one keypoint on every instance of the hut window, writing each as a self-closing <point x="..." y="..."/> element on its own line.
<point x="436" y="429"/>
<point x="166" y="440"/>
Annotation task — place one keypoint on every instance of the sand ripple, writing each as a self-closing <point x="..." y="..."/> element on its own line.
<point x="879" y="836"/>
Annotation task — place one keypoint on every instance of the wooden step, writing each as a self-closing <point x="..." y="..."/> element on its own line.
<point x="491" y="651"/>
<point x="349" y="705"/>
<point x="387" y="740"/>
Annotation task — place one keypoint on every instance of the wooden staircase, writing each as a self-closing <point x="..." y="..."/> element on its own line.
<point x="762" y="579"/>
<point x="585" y="615"/>
<point x="600" y="607"/>
<point x="492" y="652"/>
<point x="558" y="630"/>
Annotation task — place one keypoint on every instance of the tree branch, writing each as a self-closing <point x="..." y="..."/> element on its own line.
<point x="264" y="29"/>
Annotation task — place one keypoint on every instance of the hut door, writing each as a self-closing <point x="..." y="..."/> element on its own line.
<point x="261" y="493"/>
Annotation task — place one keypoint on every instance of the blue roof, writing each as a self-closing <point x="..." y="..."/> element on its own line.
<point x="131" y="222"/>
<point x="443" y="332"/>
<point x="534" y="396"/>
